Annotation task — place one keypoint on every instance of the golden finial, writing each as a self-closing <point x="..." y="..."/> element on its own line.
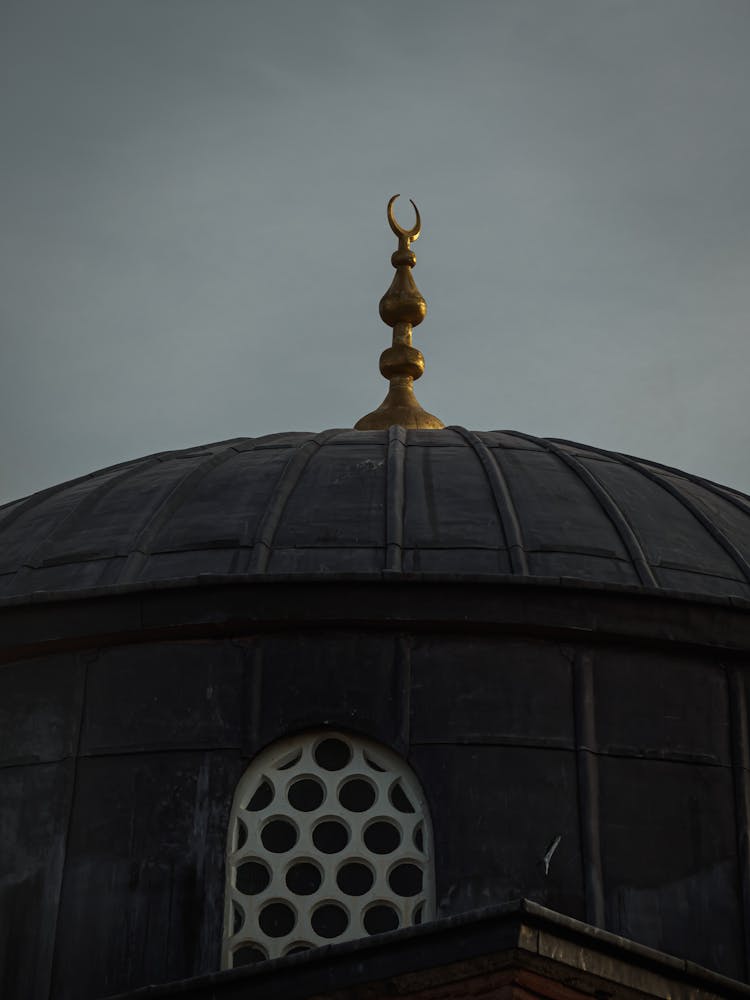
<point x="402" y="307"/>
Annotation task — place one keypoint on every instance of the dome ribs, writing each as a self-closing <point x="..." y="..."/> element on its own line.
<point x="290" y="476"/>
<point x="381" y="503"/>
<point x="606" y="502"/>
<point x="17" y="508"/>
<point x="719" y="491"/>
<point x="503" y="501"/>
<point x="734" y="497"/>
<point x="143" y="545"/>
<point x="395" y="497"/>
<point x="36" y="557"/>
<point x="692" y="508"/>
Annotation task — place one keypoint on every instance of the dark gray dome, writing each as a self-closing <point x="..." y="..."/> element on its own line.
<point x="453" y="502"/>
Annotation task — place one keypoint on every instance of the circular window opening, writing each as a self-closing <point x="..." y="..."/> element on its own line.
<point x="381" y="918"/>
<point x="330" y="920"/>
<point x="306" y="794"/>
<point x="248" y="954"/>
<point x="406" y="880"/>
<point x="277" y="919"/>
<point x="304" y="878"/>
<point x="330" y="836"/>
<point x="382" y="837"/>
<point x="252" y="878"/>
<point x="332" y="754"/>
<point x="261" y="798"/>
<point x="357" y="795"/>
<point x="278" y="836"/>
<point x="355" y="878"/>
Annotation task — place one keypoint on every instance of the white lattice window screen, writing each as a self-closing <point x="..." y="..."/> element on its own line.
<point x="329" y="840"/>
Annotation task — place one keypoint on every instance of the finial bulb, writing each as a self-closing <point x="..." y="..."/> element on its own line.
<point x="402" y="308"/>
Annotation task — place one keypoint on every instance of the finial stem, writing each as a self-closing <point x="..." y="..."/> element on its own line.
<point x="402" y="308"/>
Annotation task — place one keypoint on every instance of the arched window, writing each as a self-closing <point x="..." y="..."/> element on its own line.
<point x="329" y="840"/>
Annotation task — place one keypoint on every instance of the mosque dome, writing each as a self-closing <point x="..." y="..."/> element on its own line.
<point x="266" y="695"/>
<point x="342" y="503"/>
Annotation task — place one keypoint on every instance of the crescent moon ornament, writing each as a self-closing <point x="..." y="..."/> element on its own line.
<point x="406" y="236"/>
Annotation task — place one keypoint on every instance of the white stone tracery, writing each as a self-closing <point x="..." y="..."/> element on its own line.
<point x="329" y="840"/>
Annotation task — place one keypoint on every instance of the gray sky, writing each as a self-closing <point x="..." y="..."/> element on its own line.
<point x="193" y="239"/>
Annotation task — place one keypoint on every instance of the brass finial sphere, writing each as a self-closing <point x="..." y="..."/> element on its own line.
<point x="402" y="308"/>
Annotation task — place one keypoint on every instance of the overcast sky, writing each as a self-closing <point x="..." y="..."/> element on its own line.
<point x="193" y="238"/>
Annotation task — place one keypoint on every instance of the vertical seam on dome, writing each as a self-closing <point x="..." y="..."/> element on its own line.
<point x="395" y="498"/>
<point x="290" y="476"/>
<point x="608" y="504"/>
<point x="175" y="498"/>
<point x="738" y="732"/>
<point x="716" y="533"/>
<point x="85" y="662"/>
<point x="587" y="772"/>
<point x="504" y="505"/>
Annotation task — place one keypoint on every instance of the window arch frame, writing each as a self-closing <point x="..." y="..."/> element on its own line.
<point x="257" y="919"/>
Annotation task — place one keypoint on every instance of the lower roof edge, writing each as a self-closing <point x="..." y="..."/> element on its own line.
<point x="475" y="952"/>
